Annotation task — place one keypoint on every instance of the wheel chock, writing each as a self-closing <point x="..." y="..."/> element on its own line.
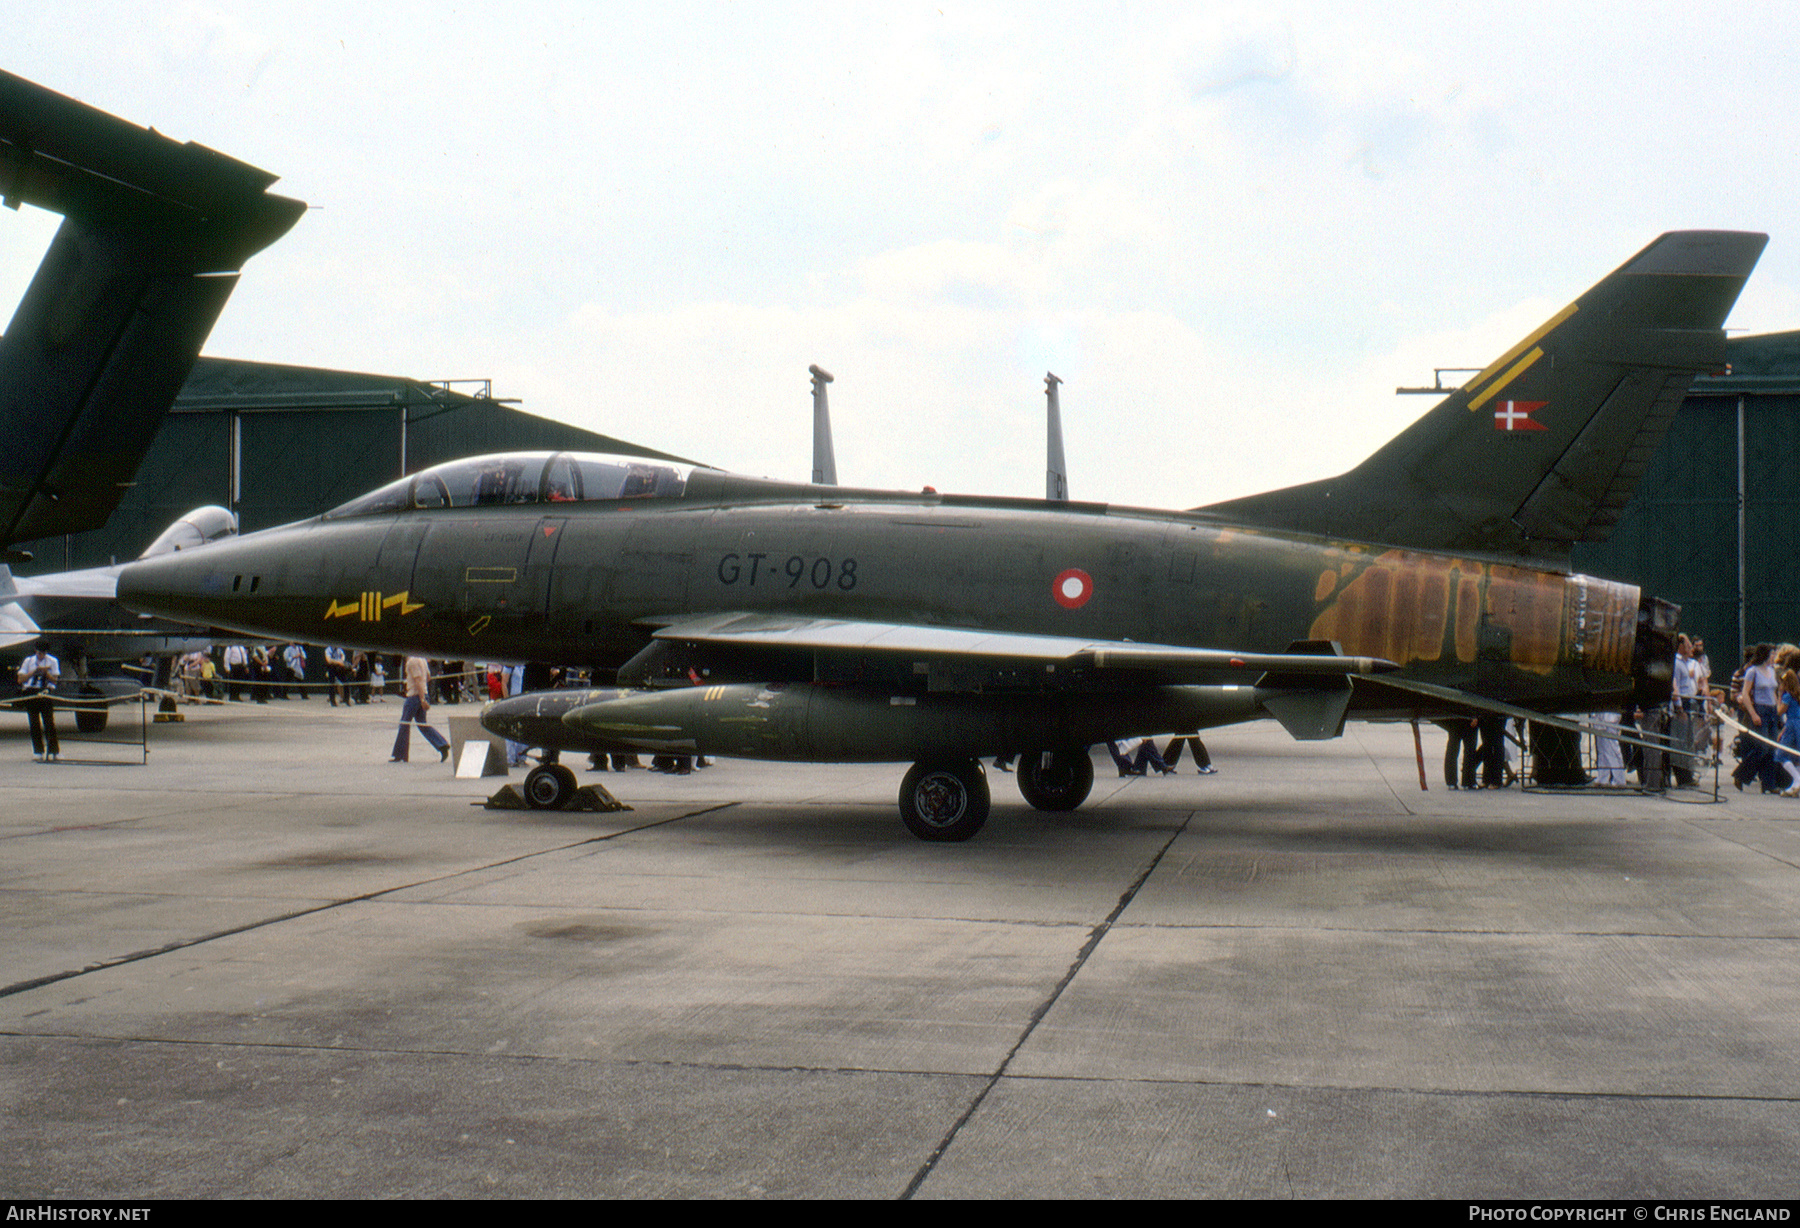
<point x="595" y="797"/>
<point x="508" y="798"/>
<point x="587" y="797"/>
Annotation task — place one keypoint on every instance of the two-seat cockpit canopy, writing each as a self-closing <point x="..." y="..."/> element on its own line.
<point x="523" y="477"/>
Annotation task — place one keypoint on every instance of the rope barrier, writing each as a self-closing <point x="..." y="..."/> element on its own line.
<point x="1749" y="732"/>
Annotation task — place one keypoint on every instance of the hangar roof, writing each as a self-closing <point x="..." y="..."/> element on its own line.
<point x="1766" y="363"/>
<point x="447" y="417"/>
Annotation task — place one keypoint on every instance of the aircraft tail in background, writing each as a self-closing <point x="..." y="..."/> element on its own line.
<point x="153" y="235"/>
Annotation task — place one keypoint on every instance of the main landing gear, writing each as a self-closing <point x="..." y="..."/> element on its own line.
<point x="1056" y="779"/>
<point x="944" y="799"/>
<point x="947" y="799"/>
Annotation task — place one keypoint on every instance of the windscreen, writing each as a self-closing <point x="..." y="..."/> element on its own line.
<point x="522" y="477"/>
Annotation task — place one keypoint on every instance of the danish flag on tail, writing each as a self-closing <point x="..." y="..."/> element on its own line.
<point x="1516" y="416"/>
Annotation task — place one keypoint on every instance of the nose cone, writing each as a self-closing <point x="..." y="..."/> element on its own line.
<point x="229" y="584"/>
<point x="183" y="585"/>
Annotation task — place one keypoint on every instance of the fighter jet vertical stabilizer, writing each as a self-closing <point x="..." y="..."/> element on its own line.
<point x="1545" y="447"/>
<point x="824" y="470"/>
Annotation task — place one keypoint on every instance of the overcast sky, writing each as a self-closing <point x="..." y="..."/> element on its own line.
<point x="1231" y="229"/>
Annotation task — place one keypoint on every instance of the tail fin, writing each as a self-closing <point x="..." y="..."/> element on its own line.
<point x="824" y="471"/>
<point x="1056" y="469"/>
<point x="152" y="237"/>
<point x="1545" y="447"/>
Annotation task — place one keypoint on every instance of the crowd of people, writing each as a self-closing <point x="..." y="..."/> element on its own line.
<point x="259" y="673"/>
<point x="1762" y="697"/>
<point x="1765" y="693"/>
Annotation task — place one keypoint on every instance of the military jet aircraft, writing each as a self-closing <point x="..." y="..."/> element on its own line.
<point x="83" y="603"/>
<point x="745" y="617"/>
<point x="79" y="613"/>
<point x="154" y="233"/>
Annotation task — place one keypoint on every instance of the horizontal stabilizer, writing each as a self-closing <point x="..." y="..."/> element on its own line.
<point x="1484" y="703"/>
<point x="1545" y="447"/>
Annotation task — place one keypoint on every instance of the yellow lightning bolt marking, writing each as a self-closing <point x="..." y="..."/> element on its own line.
<point x="369" y="605"/>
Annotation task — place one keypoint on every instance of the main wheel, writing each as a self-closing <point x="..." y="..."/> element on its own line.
<point x="92" y="719"/>
<point x="1056" y="779"/>
<point x="548" y="786"/>
<point x="945" y="800"/>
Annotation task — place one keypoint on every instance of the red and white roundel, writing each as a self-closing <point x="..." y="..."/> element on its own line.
<point x="1072" y="588"/>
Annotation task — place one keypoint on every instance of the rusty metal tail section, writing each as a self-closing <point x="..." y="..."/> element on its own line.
<point x="1471" y="621"/>
<point x="1604" y="623"/>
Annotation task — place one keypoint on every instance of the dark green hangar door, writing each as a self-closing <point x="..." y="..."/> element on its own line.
<point x="1715" y="524"/>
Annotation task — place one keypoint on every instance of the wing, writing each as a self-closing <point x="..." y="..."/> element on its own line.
<point x="962" y="646"/>
<point x="1307" y="688"/>
<point x="88" y="584"/>
<point x="770" y="686"/>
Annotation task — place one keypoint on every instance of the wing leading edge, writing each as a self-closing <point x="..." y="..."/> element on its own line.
<point x="925" y="644"/>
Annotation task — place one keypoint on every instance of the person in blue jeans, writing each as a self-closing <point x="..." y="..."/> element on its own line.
<point x="418" y="678"/>
<point x="1140" y="764"/>
<point x="1758" y="699"/>
<point x="1789" y="756"/>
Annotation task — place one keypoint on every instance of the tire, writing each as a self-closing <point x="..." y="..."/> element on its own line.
<point x="92" y="720"/>
<point x="549" y="786"/>
<point x="1056" y="780"/>
<point x="944" y="801"/>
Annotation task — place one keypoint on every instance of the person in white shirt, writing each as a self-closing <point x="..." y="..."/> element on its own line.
<point x="38" y="678"/>
<point x="294" y="657"/>
<point x="237" y="670"/>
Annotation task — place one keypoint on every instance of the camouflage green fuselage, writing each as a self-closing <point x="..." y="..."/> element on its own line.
<point x="586" y="583"/>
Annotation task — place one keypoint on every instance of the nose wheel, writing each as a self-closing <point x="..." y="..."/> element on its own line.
<point x="549" y="786"/>
<point x="944" y="800"/>
<point x="92" y="719"/>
